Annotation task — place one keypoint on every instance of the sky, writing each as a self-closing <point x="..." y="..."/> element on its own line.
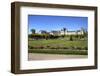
<point x="49" y="22"/>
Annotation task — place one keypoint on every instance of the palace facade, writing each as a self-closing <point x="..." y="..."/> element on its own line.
<point x="63" y="31"/>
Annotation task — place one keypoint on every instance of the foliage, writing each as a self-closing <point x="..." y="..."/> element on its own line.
<point x="71" y="39"/>
<point x="33" y="31"/>
<point x="43" y="36"/>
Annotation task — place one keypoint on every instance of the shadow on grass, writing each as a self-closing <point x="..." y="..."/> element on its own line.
<point x="59" y="51"/>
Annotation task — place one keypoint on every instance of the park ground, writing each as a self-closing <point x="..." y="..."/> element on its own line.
<point x="57" y="49"/>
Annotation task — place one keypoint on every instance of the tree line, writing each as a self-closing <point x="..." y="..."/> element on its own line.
<point x="49" y="36"/>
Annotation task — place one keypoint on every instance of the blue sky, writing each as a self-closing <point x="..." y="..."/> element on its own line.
<point x="49" y="23"/>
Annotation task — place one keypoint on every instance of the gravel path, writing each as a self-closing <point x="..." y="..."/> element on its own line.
<point x="37" y="56"/>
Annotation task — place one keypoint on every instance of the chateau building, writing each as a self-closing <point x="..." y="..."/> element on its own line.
<point x="63" y="31"/>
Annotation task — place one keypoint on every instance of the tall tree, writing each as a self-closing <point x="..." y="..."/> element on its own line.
<point x="85" y="32"/>
<point x="33" y="31"/>
<point x="64" y="29"/>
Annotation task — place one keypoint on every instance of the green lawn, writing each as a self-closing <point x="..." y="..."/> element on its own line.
<point x="59" y="46"/>
<point x="58" y="42"/>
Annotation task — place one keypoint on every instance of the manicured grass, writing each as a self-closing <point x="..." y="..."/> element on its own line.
<point x="58" y="46"/>
<point x="57" y="43"/>
<point x="60" y="51"/>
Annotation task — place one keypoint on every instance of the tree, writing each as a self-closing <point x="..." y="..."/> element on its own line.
<point x="71" y="38"/>
<point x="33" y="31"/>
<point x="85" y="32"/>
<point x="64" y="29"/>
